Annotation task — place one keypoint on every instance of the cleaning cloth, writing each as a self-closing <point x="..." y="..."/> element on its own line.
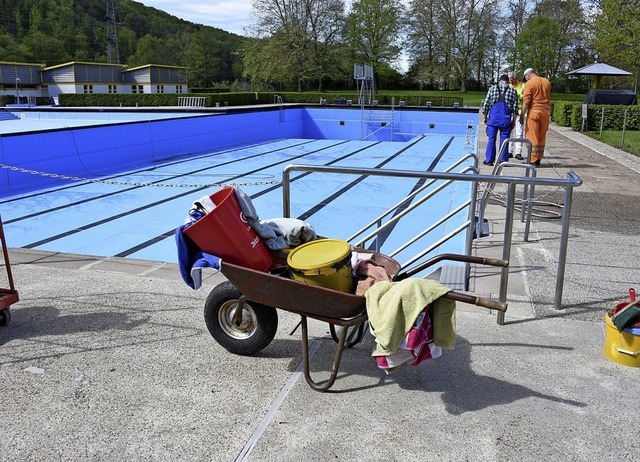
<point x="393" y="308"/>
<point x="627" y="315"/>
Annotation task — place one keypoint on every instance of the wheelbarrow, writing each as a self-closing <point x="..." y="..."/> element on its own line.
<point x="241" y="315"/>
<point x="8" y="296"/>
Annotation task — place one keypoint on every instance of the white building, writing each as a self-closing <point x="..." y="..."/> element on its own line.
<point x="156" y="78"/>
<point x="23" y="79"/>
<point x="20" y="79"/>
<point x="80" y="77"/>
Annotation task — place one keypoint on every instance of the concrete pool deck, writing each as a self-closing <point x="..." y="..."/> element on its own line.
<point x="109" y="359"/>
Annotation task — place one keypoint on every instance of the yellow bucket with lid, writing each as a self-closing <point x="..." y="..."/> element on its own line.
<point x="621" y="347"/>
<point x="323" y="262"/>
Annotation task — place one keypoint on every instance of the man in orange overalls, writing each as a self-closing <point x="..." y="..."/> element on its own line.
<point x="536" y="106"/>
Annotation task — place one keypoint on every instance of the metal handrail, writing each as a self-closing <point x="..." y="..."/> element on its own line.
<point x="527" y="191"/>
<point x="571" y="181"/>
<point x="396" y="206"/>
<point x="426" y="231"/>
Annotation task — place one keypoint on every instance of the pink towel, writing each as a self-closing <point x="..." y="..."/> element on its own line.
<point x="417" y="346"/>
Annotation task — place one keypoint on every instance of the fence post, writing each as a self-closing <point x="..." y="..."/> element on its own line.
<point x="601" y="120"/>
<point x="624" y="126"/>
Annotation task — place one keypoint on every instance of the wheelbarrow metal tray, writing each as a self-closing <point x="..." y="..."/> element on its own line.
<point x="291" y="295"/>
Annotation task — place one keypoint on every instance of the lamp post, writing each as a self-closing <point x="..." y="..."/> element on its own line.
<point x="17" y="97"/>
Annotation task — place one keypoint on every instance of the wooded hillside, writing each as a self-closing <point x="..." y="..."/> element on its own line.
<point x="56" y="31"/>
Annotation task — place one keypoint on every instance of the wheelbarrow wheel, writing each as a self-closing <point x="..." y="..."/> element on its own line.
<point x="5" y="317"/>
<point x="253" y="333"/>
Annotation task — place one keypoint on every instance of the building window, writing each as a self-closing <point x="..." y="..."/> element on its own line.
<point x="179" y="89"/>
<point x="137" y="89"/>
<point x="160" y="89"/>
<point x="113" y="89"/>
<point x="88" y="88"/>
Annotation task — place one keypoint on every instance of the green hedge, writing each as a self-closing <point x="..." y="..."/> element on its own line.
<point x="241" y="99"/>
<point x="158" y="100"/>
<point x="421" y="100"/>
<point x="611" y="119"/>
<point x="562" y="112"/>
<point x="383" y="99"/>
<point x="11" y="99"/>
<point x="209" y="90"/>
<point x="115" y="100"/>
<point x="569" y="114"/>
<point x="7" y="99"/>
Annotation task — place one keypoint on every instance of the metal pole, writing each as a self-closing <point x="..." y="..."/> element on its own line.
<point x="286" y="194"/>
<point x="601" y="120"/>
<point x="624" y="126"/>
<point x="506" y="247"/>
<point x="17" y="97"/>
<point x="473" y="226"/>
<point x="564" y="239"/>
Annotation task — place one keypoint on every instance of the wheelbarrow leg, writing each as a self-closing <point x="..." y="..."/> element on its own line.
<point x="323" y="386"/>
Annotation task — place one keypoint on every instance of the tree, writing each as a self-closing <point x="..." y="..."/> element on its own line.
<point x="299" y="36"/>
<point x="10" y="50"/>
<point x="537" y="44"/>
<point x="517" y="12"/>
<point x="568" y="33"/>
<point x="464" y="28"/>
<point x="153" y="50"/>
<point x="200" y="54"/>
<point x="422" y="43"/>
<point x="617" y="34"/>
<point x="263" y="63"/>
<point x="373" y="28"/>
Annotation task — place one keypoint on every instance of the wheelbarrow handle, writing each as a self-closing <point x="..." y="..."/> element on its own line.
<point x="477" y="301"/>
<point x="495" y="262"/>
<point x="452" y="257"/>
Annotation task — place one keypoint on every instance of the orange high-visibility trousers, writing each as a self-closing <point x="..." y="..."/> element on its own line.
<point x="537" y="126"/>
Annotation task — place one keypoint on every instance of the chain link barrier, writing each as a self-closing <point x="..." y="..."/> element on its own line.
<point x="126" y="183"/>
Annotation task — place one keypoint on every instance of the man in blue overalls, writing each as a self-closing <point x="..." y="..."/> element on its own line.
<point x="500" y="110"/>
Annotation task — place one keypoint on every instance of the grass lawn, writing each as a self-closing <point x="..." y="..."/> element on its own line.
<point x="614" y="138"/>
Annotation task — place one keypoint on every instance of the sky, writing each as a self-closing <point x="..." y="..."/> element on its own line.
<point x="230" y="15"/>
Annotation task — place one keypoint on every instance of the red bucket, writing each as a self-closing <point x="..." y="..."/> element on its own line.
<point x="225" y="233"/>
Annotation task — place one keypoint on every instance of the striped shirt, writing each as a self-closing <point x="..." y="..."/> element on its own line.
<point x="510" y="98"/>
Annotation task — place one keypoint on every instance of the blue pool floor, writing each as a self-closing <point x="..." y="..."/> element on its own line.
<point x="135" y="214"/>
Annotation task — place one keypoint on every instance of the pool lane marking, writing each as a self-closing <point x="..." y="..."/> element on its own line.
<point x="349" y="186"/>
<point x="170" y="233"/>
<point x="384" y="235"/>
<point x="120" y="191"/>
<point x="163" y="201"/>
<point x="141" y="170"/>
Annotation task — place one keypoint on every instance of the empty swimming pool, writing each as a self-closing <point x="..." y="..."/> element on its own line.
<point x="121" y="188"/>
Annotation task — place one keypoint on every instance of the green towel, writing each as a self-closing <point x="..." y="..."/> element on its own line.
<point x="393" y="308"/>
<point x="627" y="315"/>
